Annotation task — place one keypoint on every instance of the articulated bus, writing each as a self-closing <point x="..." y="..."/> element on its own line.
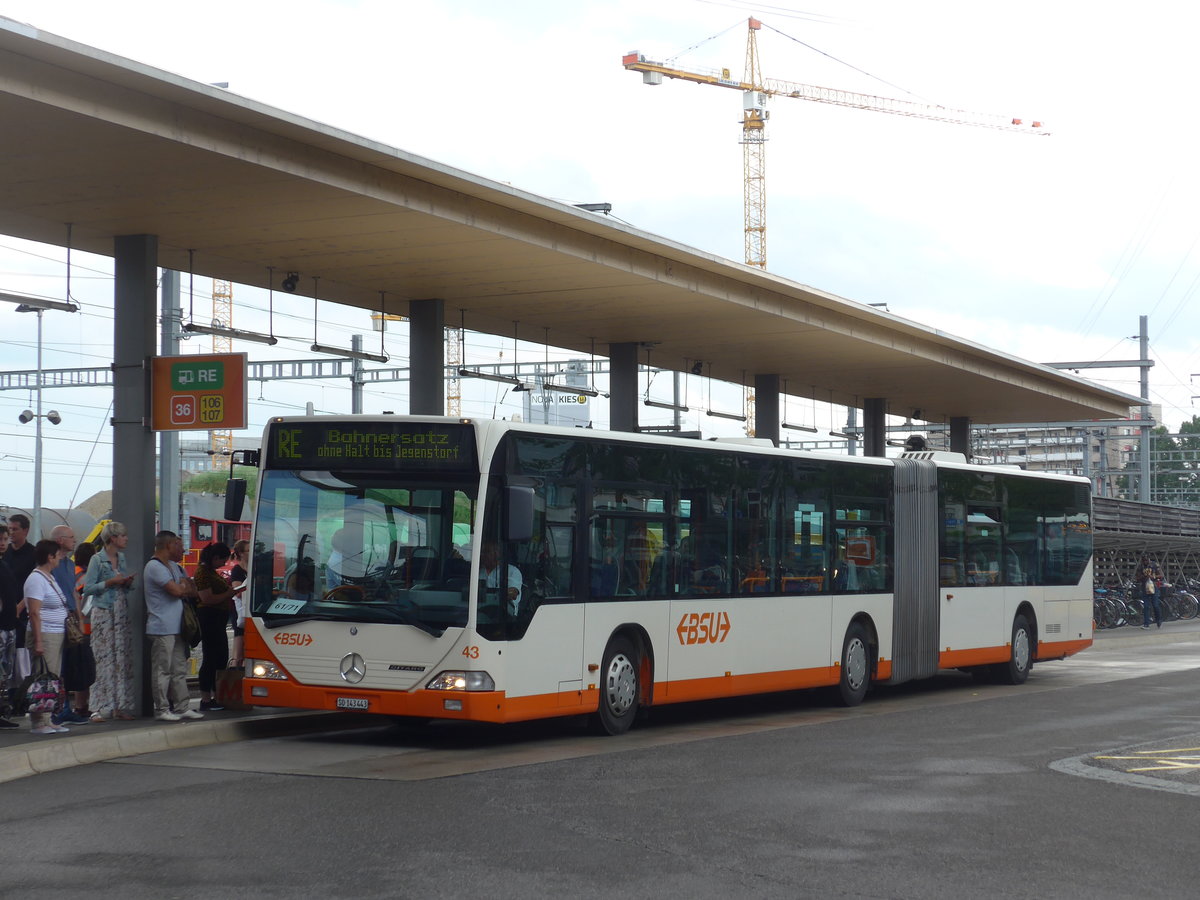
<point x="500" y="572"/>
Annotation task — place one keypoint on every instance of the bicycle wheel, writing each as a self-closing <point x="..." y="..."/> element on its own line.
<point x="1189" y="606"/>
<point x="1170" y="611"/>
<point x="1133" y="611"/>
<point x="1115" y="612"/>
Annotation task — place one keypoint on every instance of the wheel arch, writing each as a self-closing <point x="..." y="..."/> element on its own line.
<point x="640" y="638"/>
<point x="1025" y="608"/>
<point x="866" y="620"/>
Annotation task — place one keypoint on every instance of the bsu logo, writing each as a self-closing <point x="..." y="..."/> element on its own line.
<point x="703" y="628"/>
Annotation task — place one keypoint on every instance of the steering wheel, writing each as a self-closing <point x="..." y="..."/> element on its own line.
<point x="332" y="594"/>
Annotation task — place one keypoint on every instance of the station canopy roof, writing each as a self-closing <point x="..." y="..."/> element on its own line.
<point x="119" y="148"/>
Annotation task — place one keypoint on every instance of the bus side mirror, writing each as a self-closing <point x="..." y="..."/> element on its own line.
<point x="235" y="498"/>
<point x="520" y="513"/>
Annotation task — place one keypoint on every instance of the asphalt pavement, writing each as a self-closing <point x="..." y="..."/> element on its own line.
<point x="23" y="753"/>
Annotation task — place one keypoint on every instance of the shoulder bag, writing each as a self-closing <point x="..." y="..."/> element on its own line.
<point x="189" y="620"/>
<point x="189" y="624"/>
<point x="72" y="631"/>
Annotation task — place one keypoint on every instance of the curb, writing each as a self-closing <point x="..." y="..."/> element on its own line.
<point x="52" y="755"/>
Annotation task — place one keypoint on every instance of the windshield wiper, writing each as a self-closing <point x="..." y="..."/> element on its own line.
<point x="281" y="620"/>
<point x="397" y="616"/>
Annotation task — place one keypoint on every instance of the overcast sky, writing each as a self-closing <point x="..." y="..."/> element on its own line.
<point x="1048" y="248"/>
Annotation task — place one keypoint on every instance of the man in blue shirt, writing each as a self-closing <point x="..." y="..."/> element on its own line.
<point x="167" y="588"/>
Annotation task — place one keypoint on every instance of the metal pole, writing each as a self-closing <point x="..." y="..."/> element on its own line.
<point x="676" y="414"/>
<point x="356" y="378"/>
<point x="37" y="446"/>
<point x="1144" y="445"/>
<point x="169" y="487"/>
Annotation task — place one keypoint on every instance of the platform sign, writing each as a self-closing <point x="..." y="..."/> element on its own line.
<point x="198" y="393"/>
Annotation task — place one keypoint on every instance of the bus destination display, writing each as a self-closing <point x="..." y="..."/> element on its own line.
<point x="377" y="446"/>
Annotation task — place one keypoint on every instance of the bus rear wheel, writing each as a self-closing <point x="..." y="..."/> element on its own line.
<point x="620" y="687"/>
<point x="855" y="673"/>
<point x="1020" y="657"/>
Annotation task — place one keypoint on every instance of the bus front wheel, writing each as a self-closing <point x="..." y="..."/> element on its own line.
<point x="620" y="687"/>
<point x="856" y="666"/>
<point x="1020" y="656"/>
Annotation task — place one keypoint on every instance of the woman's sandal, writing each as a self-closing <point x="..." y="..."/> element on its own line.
<point x="97" y="719"/>
<point x="121" y="714"/>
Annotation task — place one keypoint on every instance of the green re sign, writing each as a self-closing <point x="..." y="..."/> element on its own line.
<point x="203" y="376"/>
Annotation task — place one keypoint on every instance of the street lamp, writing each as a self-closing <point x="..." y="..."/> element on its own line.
<point x="39" y="306"/>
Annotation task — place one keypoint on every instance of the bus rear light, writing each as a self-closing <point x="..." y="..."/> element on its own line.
<point x="264" y="668"/>
<point x="462" y="681"/>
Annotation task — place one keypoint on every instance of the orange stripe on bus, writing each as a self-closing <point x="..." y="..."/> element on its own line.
<point x="981" y="656"/>
<point x="736" y="685"/>
<point x="1061" y="649"/>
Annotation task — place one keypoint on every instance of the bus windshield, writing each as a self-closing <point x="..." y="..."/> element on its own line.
<point x="362" y="547"/>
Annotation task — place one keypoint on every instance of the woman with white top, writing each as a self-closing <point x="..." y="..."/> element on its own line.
<point x="47" y="621"/>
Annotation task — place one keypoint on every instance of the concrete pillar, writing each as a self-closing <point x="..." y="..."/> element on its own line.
<point x="766" y="407"/>
<point x="874" y="426"/>
<point x="427" y="358"/>
<point x="134" y="306"/>
<point x="960" y="435"/>
<point x="623" y="387"/>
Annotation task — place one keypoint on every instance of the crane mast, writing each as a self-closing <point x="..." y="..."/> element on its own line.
<point x="757" y="90"/>
<point x="754" y="156"/>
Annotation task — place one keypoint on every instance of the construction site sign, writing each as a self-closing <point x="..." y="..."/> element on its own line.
<point x="198" y="393"/>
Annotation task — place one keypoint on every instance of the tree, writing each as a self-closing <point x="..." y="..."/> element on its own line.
<point x="1175" y="465"/>
<point x="214" y="482"/>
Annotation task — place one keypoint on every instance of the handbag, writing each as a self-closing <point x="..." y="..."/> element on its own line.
<point x="229" y="688"/>
<point x="189" y="624"/>
<point x="1149" y="585"/>
<point x="40" y="692"/>
<point x="73" y="631"/>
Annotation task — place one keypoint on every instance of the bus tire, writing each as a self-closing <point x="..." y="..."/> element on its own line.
<point x="620" y="687"/>
<point x="1020" y="656"/>
<point x="855" y="671"/>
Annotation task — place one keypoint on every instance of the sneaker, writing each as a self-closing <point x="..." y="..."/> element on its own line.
<point x="168" y="716"/>
<point x="1145" y="628"/>
<point x="5" y="723"/>
<point x="190" y="714"/>
<point x="59" y="729"/>
<point x="210" y="705"/>
<point x="74" y="718"/>
<point x="44" y="729"/>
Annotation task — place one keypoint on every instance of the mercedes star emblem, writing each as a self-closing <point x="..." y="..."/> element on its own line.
<point x="352" y="668"/>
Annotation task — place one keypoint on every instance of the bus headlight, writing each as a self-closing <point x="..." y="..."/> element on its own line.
<point x="462" y="681"/>
<point x="264" y="668"/>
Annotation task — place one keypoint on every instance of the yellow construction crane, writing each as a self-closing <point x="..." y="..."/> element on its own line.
<point x="756" y="90"/>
